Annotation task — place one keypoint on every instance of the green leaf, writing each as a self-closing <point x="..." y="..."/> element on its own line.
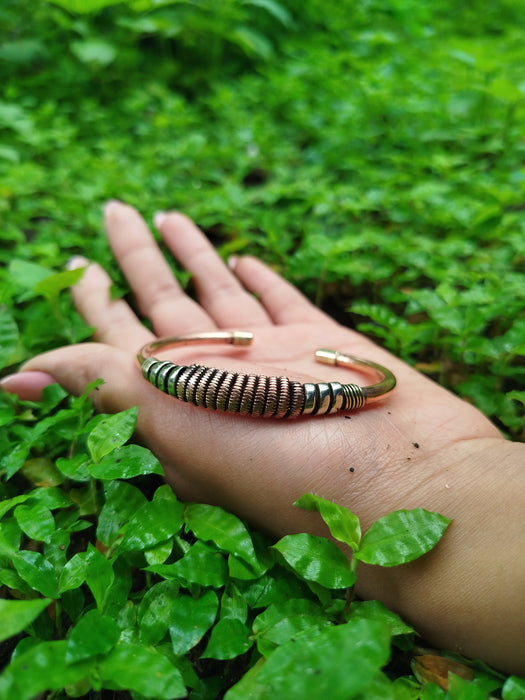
<point x="281" y="622"/>
<point x="154" y="522"/>
<point x="73" y="574"/>
<point x="16" y="615"/>
<point x="125" y="463"/>
<point x="36" y="521"/>
<point x="42" y="667"/>
<point x="202" y="565"/>
<point x="226" y="530"/>
<point x="8" y="337"/>
<point x="94" y="51"/>
<point x="338" y="663"/>
<point x="190" y="619"/>
<point x="316" y="559"/>
<point x="344" y="525"/>
<point x="111" y="432"/>
<point x="155" y="611"/>
<point x="229" y="638"/>
<point x="99" y="575"/>
<point x="52" y="285"/>
<point x="141" y="670"/>
<point x="513" y="688"/>
<point x="401" y="536"/>
<point x="375" y="610"/>
<point x="37" y="572"/>
<point x="122" y="501"/>
<point x="93" y="634"/>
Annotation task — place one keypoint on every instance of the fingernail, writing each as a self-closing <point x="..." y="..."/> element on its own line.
<point x="232" y="262"/>
<point x="28" y="385"/>
<point x="158" y="218"/>
<point x="76" y="261"/>
<point x="110" y="205"/>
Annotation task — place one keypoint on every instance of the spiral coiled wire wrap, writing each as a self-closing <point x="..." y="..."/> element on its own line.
<point x="250" y="394"/>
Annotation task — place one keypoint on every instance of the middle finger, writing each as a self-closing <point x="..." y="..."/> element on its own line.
<point x="159" y="295"/>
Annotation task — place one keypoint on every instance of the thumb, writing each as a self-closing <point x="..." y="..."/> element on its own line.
<point x="76" y="366"/>
<point x="28" y="386"/>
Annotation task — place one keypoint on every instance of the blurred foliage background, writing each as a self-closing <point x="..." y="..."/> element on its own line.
<point x="372" y="151"/>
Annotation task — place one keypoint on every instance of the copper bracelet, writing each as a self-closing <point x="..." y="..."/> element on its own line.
<point x="254" y="394"/>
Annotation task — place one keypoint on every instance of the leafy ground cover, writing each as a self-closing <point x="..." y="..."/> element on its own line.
<point x="373" y="153"/>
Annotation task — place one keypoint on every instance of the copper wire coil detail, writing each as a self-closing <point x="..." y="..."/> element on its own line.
<point x="250" y="394"/>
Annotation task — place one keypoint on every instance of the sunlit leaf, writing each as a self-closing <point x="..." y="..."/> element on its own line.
<point x="153" y="522"/>
<point x="37" y="572"/>
<point x="401" y="536"/>
<point x="337" y="662"/>
<point x="36" y="521"/>
<point x="226" y="530"/>
<point x="141" y="670"/>
<point x="155" y="611"/>
<point x="125" y="463"/>
<point x="229" y="638"/>
<point x="99" y="575"/>
<point x="190" y="619"/>
<point x="344" y="525"/>
<point x="316" y="559"/>
<point x="93" y="634"/>
<point x="111" y="432"/>
<point x="15" y="615"/>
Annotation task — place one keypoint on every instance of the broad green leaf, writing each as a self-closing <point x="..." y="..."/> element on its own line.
<point x="159" y="552"/>
<point x="50" y="496"/>
<point x="281" y="622"/>
<point x="229" y="638"/>
<point x="99" y="575"/>
<point x="28" y="274"/>
<point x="202" y="565"/>
<point x="51" y="286"/>
<point x="42" y="667"/>
<point x="344" y="525"/>
<point x="111" y="432"/>
<point x="8" y="337"/>
<point x="233" y="604"/>
<point x="401" y="536"/>
<point x="214" y="524"/>
<point x="125" y="463"/>
<point x="513" y="688"/>
<point x="16" y="615"/>
<point x="93" y="634"/>
<point x="73" y="574"/>
<point x="154" y="522"/>
<point x="155" y="611"/>
<point x="94" y="51"/>
<point x="141" y="670"/>
<point x="5" y="506"/>
<point x="375" y="610"/>
<point x="36" y="521"/>
<point x="190" y="619"/>
<point x="338" y="662"/>
<point x="85" y="6"/>
<point x="14" y="460"/>
<point x="123" y="500"/>
<point x="316" y="559"/>
<point x="37" y="572"/>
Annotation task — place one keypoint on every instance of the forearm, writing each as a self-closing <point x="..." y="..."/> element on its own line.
<point x="467" y="595"/>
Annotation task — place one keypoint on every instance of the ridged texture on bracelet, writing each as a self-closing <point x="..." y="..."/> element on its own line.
<point x="250" y="394"/>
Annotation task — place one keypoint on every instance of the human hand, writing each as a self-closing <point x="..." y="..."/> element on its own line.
<point x="419" y="447"/>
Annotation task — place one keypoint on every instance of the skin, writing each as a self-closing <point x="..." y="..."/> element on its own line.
<point x="419" y="447"/>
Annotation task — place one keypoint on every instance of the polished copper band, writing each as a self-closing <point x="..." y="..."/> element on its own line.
<point x="255" y="394"/>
